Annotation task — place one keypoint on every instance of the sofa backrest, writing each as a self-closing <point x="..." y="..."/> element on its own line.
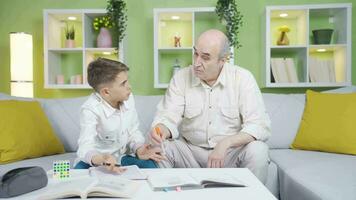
<point x="63" y="114"/>
<point x="285" y="111"/>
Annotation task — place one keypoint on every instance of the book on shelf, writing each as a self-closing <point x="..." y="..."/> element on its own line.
<point x="283" y="70"/>
<point x="291" y="71"/>
<point x="321" y="70"/>
<point x="160" y="182"/>
<point x="87" y="186"/>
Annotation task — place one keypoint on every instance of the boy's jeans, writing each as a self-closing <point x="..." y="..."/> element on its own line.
<point x="125" y="161"/>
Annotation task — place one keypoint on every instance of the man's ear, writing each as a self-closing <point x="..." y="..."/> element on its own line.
<point x="223" y="60"/>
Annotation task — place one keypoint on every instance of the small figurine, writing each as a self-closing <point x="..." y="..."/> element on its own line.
<point x="177" y="40"/>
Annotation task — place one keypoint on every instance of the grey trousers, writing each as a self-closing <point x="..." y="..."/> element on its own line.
<point x="182" y="154"/>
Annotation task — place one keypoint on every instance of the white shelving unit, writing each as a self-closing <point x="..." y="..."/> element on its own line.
<point x="188" y="23"/>
<point x="302" y="19"/>
<point x="73" y="62"/>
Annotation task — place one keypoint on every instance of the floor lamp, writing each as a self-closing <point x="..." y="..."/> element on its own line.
<point x="21" y="60"/>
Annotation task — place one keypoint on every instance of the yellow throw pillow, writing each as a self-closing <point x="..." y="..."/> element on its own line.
<point x="25" y="132"/>
<point x="328" y="123"/>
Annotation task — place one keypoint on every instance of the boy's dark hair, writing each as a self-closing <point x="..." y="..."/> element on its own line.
<point x="102" y="71"/>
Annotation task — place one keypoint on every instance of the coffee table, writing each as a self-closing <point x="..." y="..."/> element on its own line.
<point x="255" y="189"/>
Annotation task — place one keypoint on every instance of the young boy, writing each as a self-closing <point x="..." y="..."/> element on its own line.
<point x="109" y="123"/>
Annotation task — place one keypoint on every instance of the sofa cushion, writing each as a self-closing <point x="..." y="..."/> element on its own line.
<point x="63" y="115"/>
<point x="328" y="128"/>
<point x="25" y="132"/>
<point x="285" y="112"/>
<point x="315" y="175"/>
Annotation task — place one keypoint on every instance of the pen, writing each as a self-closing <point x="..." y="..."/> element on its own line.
<point x="108" y="164"/>
<point x="159" y="133"/>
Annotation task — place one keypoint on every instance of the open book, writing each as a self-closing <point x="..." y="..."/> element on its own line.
<point x="91" y="187"/>
<point x="159" y="182"/>
<point x="132" y="172"/>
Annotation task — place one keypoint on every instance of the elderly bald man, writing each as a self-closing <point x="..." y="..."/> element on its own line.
<point x="219" y="110"/>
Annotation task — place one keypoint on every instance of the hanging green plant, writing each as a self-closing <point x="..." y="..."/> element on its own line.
<point x="116" y="10"/>
<point x="232" y="18"/>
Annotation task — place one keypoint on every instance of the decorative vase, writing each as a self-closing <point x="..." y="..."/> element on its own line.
<point x="104" y="38"/>
<point x="322" y="36"/>
<point x="60" y="79"/>
<point x="283" y="39"/>
<point x="69" y="43"/>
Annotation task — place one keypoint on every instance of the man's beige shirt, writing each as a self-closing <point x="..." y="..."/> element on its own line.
<point x="205" y="114"/>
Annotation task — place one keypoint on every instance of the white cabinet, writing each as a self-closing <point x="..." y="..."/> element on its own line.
<point x="175" y="32"/>
<point x="65" y="66"/>
<point x="307" y="61"/>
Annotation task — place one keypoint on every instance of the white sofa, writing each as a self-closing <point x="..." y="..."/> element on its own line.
<point x="293" y="174"/>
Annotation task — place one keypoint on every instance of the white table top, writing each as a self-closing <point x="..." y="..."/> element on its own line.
<point x="255" y="189"/>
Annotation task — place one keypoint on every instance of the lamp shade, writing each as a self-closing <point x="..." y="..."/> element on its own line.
<point x="21" y="59"/>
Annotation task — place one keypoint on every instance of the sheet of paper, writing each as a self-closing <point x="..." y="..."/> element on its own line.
<point x="132" y="172"/>
<point x="167" y="180"/>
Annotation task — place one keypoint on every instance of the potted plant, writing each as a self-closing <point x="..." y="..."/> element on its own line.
<point x="231" y="18"/>
<point x="116" y="10"/>
<point x="103" y="24"/>
<point x="70" y="36"/>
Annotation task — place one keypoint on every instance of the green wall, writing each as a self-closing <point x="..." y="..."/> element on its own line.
<point x="23" y="16"/>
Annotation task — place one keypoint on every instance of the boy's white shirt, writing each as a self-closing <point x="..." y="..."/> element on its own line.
<point x="104" y="129"/>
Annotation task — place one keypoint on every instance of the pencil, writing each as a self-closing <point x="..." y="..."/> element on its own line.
<point x="108" y="164"/>
<point x="159" y="133"/>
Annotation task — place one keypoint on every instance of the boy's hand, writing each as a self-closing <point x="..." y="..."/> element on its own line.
<point x="110" y="161"/>
<point x="146" y="152"/>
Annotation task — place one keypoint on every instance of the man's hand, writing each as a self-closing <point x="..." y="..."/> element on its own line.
<point x="157" y="138"/>
<point x="100" y="159"/>
<point x="146" y="152"/>
<point x="217" y="156"/>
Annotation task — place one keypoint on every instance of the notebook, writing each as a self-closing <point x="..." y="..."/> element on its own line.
<point x="160" y="182"/>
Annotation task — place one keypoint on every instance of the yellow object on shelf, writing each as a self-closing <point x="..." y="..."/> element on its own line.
<point x="284" y="29"/>
<point x="283" y="39"/>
